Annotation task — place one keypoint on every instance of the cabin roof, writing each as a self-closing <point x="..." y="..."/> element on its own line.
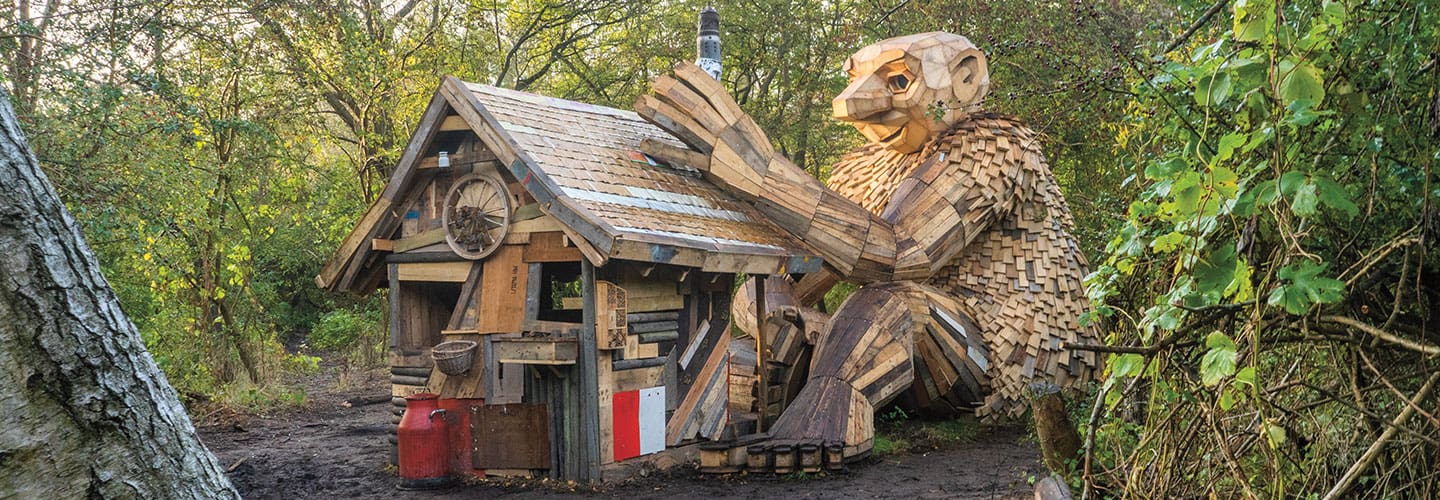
<point x="582" y="164"/>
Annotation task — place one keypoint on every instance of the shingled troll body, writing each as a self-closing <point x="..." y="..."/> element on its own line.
<point x="949" y="218"/>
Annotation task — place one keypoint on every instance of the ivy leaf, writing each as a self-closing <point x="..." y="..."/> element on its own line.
<point x="1260" y="194"/>
<point x="1127" y="242"/>
<point x="1305" y="287"/>
<point x="1215" y="272"/>
<point x="1167" y="242"/>
<point x="1299" y="81"/>
<point x="1254" y="20"/>
<point x="1305" y="202"/>
<point x="1246" y="376"/>
<point x="1219" y="361"/>
<point x="1240" y="288"/>
<point x="1212" y="89"/>
<point x="1227" y="399"/>
<point x="1157" y="170"/>
<point x="1334" y="196"/>
<point x="1127" y="365"/>
<point x="1302" y="113"/>
<point x="1290" y="182"/>
<point x="1228" y="144"/>
<point x="1224" y="181"/>
<point x="1248" y="72"/>
<point x="1186" y="191"/>
<point x="1275" y="435"/>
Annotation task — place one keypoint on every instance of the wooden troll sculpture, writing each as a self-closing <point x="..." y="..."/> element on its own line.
<point x="949" y="218"/>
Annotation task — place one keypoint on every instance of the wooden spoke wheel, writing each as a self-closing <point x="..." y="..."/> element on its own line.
<point x="477" y="215"/>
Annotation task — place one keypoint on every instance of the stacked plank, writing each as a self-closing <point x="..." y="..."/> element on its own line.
<point x="703" y="412"/>
<point x="743" y="378"/>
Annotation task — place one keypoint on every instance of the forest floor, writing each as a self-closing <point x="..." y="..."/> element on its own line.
<point x="331" y="449"/>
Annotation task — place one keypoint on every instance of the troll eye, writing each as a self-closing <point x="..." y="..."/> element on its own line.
<point x="898" y="83"/>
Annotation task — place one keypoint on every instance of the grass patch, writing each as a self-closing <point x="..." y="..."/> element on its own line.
<point x="897" y="432"/>
<point x="886" y="444"/>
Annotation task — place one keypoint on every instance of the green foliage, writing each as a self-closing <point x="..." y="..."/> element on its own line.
<point x="1219" y="361"/>
<point x="1291" y="183"/>
<point x="1304" y="286"/>
<point x="340" y="329"/>
<point x="838" y="294"/>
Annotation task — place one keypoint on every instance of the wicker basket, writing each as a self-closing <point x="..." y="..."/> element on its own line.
<point x="454" y="357"/>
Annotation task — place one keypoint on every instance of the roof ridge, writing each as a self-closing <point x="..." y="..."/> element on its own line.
<point x="541" y="99"/>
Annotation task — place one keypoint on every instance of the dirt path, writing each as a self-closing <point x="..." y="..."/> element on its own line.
<point x="329" y="450"/>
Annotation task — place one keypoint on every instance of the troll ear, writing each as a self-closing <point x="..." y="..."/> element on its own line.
<point x="970" y="78"/>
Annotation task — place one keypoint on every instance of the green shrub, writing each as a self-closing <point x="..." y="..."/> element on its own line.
<point x="341" y="329"/>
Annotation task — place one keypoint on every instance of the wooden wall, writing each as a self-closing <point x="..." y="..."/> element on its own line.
<point x="671" y="324"/>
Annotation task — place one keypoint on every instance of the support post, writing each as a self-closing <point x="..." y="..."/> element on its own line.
<point x="588" y="381"/>
<point x="762" y="355"/>
<point x="394" y="275"/>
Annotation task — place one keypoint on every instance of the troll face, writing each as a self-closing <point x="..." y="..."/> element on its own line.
<point x="903" y="91"/>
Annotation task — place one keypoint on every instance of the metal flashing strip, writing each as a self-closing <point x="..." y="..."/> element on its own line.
<point x="702" y="239"/>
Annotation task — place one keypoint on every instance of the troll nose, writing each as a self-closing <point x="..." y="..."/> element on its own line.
<point x="863" y="99"/>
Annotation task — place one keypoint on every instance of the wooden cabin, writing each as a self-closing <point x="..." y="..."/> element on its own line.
<point x="595" y="281"/>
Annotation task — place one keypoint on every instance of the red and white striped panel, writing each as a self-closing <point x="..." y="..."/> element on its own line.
<point x="639" y="422"/>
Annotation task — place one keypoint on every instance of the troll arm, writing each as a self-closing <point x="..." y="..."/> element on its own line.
<point x="923" y="228"/>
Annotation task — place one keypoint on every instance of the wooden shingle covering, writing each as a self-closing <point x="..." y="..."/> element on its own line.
<point x="654" y="212"/>
<point x="583" y="165"/>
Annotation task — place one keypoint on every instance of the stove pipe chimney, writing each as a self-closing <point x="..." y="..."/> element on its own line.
<point x="708" y="42"/>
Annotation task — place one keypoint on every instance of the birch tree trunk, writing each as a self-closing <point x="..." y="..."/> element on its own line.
<point x="84" y="410"/>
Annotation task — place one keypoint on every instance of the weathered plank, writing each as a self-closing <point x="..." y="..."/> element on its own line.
<point x="714" y="365"/>
<point x="550" y="247"/>
<point x="528" y="351"/>
<point x="511" y="436"/>
<point x="504" y="280"/>
<point x="452" y="272"/>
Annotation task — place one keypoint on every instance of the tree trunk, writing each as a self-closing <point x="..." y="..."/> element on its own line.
<point x="84" y="411"/>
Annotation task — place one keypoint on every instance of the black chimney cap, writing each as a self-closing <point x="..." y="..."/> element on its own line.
<point x="709" y="22"/>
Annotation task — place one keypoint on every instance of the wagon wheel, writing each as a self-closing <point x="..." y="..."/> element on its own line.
<point x="477" y="215"/>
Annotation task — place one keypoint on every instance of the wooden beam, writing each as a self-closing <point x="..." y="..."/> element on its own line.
<point x="444" y="272"/>
<point x="558" y="328"/>
<point x="424" y="239"/>
<point x="762" y="354"/>
<point x="393" y="273"/>
<point x="527" y="351"/>
<point x="589" y="384"/>
<point x="382" y="245"/>
<point x="532" y="293"/>
<point x="350" y="247"/>
<point x="339" y="273"/>
<point x="467" y="304"/>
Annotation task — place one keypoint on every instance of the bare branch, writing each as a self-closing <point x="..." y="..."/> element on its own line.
<point x="1419" y="347"/>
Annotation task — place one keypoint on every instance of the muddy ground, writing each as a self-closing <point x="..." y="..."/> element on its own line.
<point x="330" y="449"/>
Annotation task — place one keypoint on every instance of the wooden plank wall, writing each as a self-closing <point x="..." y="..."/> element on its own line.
<point x="507" y="438"/>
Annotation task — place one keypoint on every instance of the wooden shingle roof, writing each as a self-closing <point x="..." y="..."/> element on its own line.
<point x="582" y="164"/>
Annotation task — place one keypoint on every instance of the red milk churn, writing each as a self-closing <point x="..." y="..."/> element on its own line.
<point x="423" y="444"/>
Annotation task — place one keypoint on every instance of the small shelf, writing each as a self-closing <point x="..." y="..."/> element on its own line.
<point x="525" y="351"/>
